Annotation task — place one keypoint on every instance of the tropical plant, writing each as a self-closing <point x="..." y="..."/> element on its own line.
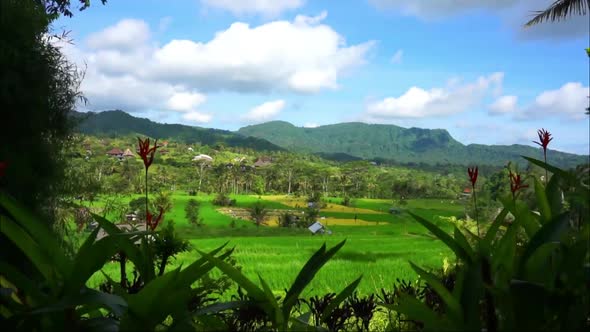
<point x="191" y="211"/>
<point x="560" y="10"/>
<point x="258" y="213"/>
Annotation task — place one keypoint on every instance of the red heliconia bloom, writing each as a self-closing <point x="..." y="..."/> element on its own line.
<point x="147" y="153"/>
<point x="3" y="167"/>
<point x="151" y="222"/>
<point x="544" y="139"/>
<point x="472" y="175"/>
<point x="516" y="183"/>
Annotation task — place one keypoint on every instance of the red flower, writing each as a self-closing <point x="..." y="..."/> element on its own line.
<point x="3" y="166"/>
<point x="153" y="223"/>
<point x="472" y="175"/>
<point x="544" y="139"/>
<point x="516" y="183"/>
<point x="147" y="153"/>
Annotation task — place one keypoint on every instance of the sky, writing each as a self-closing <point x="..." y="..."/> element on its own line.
<point x="465" y="66"/>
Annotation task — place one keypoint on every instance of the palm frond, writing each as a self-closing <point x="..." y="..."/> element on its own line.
<point x="559" y="10"/>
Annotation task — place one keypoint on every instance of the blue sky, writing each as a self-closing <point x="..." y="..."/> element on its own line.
<point x="474" y="70"/>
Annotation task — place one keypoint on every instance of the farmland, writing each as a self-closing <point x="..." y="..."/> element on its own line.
<point x="379" y="244"/>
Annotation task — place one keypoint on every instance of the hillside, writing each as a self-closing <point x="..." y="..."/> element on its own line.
<point x="120" y="123"/>
<point x="412" y="145"/>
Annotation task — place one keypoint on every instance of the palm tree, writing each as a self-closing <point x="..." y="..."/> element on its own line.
<point x="559" y="10"/>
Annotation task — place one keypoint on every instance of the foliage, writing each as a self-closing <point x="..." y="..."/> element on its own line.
<point x="258" y="213"/>
<point x="223" y="200"/>
<point x="191" y="211"/>
<point x="163" y="201"/>
<point x="503" y="283"/>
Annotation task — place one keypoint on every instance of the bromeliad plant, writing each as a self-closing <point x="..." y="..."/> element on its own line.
<point x="501" y="284"/>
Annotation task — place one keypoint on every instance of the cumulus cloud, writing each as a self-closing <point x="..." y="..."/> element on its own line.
<point x="127" y="34"/>
<point x="569" y="101"/>
<point x="185" y="101"/>
<point x="265" y="7"/>
<point x="503" y="105"/>
<point x="397" y="57"/>
<point x="311" y="125"/>
<point x="419" y="103"/>
<point x="264" y="112"/>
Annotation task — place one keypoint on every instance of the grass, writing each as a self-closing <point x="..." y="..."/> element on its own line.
<point x="380" y="251"/>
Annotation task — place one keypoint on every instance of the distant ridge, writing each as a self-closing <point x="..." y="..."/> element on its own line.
<point x="402" y="145"/>
<point x="120" y="123"/>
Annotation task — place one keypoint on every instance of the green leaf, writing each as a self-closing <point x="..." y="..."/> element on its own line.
<point x="452" y="305"/>
<point x="37" y="255"/>
<point x="307" y="273"/>
<point x="550" y="232"/>
<point x="237" y="276"/>
<point x="271" y="302"/>
<point x="38" y="231"/>
<point x="87" y="296"/>
<point x="343" y="295"/>
<point x="556" y="171"/>
<point x="416" y="310"/>
<point x="493" y="230"/>
<point x="461" y="240"/>
<point x="542" y="202"/>
<point x="219" y="307"/>
<point x="22" y="283"/>
<point x="554" y="196"/>
<point x="200" y="267"/>
<point x="444" y="237"/>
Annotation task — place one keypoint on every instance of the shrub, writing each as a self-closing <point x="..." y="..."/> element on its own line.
<point x="191" y="211"/>
<point x="223" y="200"/>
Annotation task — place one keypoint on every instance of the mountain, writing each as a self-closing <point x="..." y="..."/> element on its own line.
<point x="401" y="145"/>
<point x="120" y="123"/>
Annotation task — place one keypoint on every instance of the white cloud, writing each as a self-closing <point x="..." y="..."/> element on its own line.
<point x="504" y="105"/>
<point x="311" y="125"/>
<point x="127" y="34"/>
<point x="569" y="101"/>
<point x="186" y="101"/>
<point x="419" y="103"/>
<point x="164" y="23"/>
<point x="304" y="58"/>
<point x="265" y="7"/>
<point x="264" y="112"/>
<point x="397" y="57"/>
<point x="197" y="117"/>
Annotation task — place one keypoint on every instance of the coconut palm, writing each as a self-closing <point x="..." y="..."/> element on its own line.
<point x="560" y="10"/>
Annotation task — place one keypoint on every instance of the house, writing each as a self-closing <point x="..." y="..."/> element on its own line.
<point x="263" y="162"/>
<point x="115" y="152"/>
<point x="203" y="157"/>
<point x="316" y="227"/>
<point x="128" y="154"/>
<point x="163" y="151"/>
<point x="466" y="193"/>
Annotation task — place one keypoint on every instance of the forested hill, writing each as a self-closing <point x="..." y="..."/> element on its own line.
<point x="412" y="145"/>
<point x="121" y="123"/>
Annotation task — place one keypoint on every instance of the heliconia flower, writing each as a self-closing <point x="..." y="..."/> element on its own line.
<point x="145" y="152"/>
<point x="3" y="167"/>
<point x="151" y="222"/>
<point x="544" y="139"/>
<point x="472" y="175"/>
<point x="516" y="183"/>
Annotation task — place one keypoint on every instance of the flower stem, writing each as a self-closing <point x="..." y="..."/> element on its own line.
<point x="146" y="199"/>
<point x="475" y="205"/>
<point x="546" y="176"/>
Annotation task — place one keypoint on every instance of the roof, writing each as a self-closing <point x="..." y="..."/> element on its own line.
<point x="202" y="157"/>
<point x="115" y="151"/>
<point x="263" y="161"/>
<point x="128" y="153"/>
<point x="124" y="227"/>
<point x="467" y="190"/>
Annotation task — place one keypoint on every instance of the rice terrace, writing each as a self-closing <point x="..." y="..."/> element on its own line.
<point x="294" y="165"/>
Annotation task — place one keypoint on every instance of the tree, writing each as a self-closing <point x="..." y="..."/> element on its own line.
<point x="191" y="211"/>
<point x="258" y="213"/>
<point x="560" y="10"/>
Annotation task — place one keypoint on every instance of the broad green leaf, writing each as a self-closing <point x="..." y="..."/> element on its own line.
<point x="38" y="231"/>
<point x="219" y="307"/>
<point x="343" y="295"/>
<point x="554" y="196"/>
<point x="87" y="296"/>
<point x="504" y="252"/>
<point x="452" y="305"/>
<point x="493" y="230"/>
<point x="542" y="202"/>
<point x="236" y="275"/>
<point x="444" y="237"/>
<point x="550" y="232"/>
<point x="200" y="267"/>
<point x="556" y="171"/>
<point x="37" y="255"/>
<point x="307" y="273"/>
<point x="22" y="282"/>
<point x="522" y="216"/>
<point x="462" y="242"/>
<point x="273" y="310"/>
<point x="416" y="310"/>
